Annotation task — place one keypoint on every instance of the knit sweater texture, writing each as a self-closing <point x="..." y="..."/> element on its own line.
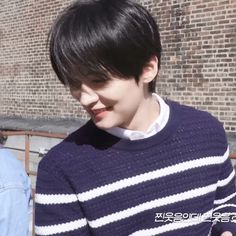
<point x="178" y="182"/>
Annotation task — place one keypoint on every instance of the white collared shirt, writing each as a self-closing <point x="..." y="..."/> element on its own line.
<point x="154" y="128"/>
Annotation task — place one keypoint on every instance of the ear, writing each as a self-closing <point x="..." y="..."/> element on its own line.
<point x="150" y="70"/>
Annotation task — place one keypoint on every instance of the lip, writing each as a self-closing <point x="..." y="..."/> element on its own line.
<point x="99" y="110"/>
<point x="100" y="113"/>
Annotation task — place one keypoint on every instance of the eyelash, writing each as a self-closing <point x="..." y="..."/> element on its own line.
<point x="98" y="81"/>
<point x="93" y="82"/>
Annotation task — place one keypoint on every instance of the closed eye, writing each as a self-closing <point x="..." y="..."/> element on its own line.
<point x="98" y="81"/>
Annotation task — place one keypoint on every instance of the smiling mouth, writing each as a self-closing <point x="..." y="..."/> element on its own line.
<point x="97" y="111"/>
<point x="100" y="111"/>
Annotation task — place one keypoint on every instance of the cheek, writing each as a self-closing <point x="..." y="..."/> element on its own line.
<point x="112" y="97"/>
<point x="123" y="95"/>
<point x="128" y="103"/>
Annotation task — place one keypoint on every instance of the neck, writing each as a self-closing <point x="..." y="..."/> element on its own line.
<point x="146" y="114"/>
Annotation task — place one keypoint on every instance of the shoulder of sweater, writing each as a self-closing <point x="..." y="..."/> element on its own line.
<point x="189" y="116"/>
<point x="194" y="118"/>
<point x="87" y="138"/>
<point x="67" y="146"/>
<point x="190" y="111"/>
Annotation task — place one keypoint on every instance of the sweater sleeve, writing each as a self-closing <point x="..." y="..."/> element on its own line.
<point x="57" y="209"/>
<point x="224" y="213"/>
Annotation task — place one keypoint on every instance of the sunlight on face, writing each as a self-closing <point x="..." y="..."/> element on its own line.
<point x="110" y="103"/>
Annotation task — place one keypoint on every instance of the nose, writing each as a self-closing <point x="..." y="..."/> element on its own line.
<point x="85" y="95"/>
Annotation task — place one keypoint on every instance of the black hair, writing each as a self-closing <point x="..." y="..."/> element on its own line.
<point x="103" y="37"/>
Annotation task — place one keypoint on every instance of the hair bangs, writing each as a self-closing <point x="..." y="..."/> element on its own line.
<point x="103" y="37"/>
<point x="75" y="51"/>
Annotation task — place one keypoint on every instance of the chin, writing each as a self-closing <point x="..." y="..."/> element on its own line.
<point x="104" y="125"/>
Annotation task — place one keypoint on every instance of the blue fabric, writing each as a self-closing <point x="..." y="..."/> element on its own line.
<point x="15" y="192"/>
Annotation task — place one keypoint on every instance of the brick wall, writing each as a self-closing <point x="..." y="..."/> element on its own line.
<point x="198" y="62"/>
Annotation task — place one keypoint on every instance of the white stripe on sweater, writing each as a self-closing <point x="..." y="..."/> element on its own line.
<point x="224" y="182"/>
<point x="157" y="203"/>
<point x="148" y="205"/>
<point x="173" y="226"/>
<point x="55" y="198"/>
<point x="223" y="206"/>
<point x="60" y="228"/>
<point x="152" y="204"/>
<point x="131" y="181"/>
<point x="124" y="183"/>
<point x="220" y="201"/>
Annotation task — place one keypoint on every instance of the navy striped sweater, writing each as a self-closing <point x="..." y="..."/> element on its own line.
<point x="178" y="182"/>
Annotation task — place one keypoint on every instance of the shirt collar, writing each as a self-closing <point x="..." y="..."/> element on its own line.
<point x="154" y="128"/>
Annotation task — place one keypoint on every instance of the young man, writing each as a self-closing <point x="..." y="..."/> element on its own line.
<point x="15" y="192"/>
<point x="141" y="165"/>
